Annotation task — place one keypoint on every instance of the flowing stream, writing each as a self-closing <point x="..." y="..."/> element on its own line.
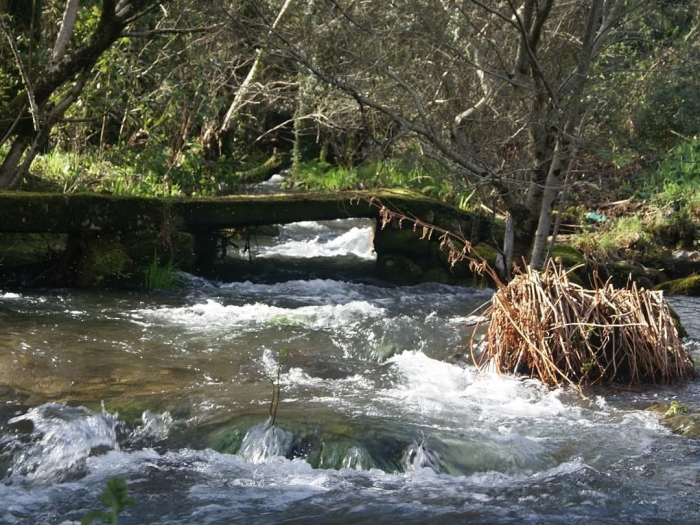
<point x="172" y="391"/>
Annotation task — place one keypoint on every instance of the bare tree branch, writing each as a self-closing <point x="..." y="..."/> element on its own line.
<point x="171" y="31"/>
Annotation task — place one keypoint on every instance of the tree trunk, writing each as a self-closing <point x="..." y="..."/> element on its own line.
<point x="598" y="25"/>
<point x="244" y="90"/>
<point x="69" y="17"/>
<point x="549" y="196"/>
<point x="10" y="177"/>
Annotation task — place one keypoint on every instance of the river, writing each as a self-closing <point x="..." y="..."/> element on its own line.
<point x="172" y="391"/>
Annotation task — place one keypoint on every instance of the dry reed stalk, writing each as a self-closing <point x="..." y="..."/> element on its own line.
<point x="545" y="326"/>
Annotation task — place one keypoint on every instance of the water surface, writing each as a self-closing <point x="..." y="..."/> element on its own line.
<point x="172" y="391"/>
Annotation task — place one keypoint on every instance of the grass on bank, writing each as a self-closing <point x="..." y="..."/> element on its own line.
<point x="152" y="172"/>
<point x="662" y="210"/>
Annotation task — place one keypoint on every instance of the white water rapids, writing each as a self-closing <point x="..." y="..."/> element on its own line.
<point x="373" y="425"/>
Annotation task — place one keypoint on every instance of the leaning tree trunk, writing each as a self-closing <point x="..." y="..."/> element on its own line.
<point x="10" y="176"/>
<point x="549" y="196"/>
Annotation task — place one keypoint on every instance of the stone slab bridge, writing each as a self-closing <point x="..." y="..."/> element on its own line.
<point x="401" y="253"/>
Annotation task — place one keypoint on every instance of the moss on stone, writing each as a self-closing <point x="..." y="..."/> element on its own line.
<point x="79" y="213"/>
<point x="405" y="240"/>
<point x="265" y="170"/>
<point x="104" y="261"/>
<point x="569" y="255"/>
<point x="487" y="252"/>
<point x="399" y="269"/>
<point x="88" y="215"/>
<point x="437" y="275"/>
<point x="29" y="248"/>
<point x="682" y="332"/>
<point x="228" y="440"/>
<point x="679" y="418"/>
<point x="686" y="286"/>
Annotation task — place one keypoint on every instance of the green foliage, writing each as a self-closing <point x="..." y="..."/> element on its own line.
<point x="625" y="232"/>
<point x="160" y="277"/>
<point x="124" y="171"/>
<point x="670" y="194"/>
<point x="115" y="497"/>
<point x="675" y="409"/>
<point x="389" y="173"/>
<point x="671" y="109"/>
<point x="678" y="175"/>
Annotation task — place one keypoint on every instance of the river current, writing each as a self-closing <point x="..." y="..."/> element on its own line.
<point x="173" y="391"/>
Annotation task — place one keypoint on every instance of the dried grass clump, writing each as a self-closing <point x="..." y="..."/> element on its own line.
<point x="545" y="326"/>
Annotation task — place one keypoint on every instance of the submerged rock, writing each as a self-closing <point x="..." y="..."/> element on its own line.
<point x="679" y="418"/>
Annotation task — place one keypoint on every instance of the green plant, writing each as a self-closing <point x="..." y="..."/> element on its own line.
<point x="674" y="181"/>
<point x="274" y="378"/>
<point x="158" y="276"/>
<point x="463" y="201"/>
<point x="625" y="232"/>
<point x="388" y="173"/>
<point x="675" y="409"/>
<point x="115" y="497"/>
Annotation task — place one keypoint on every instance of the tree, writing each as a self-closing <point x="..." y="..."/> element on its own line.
<point x="56" y="74"/>
<point x="495" y="91"/>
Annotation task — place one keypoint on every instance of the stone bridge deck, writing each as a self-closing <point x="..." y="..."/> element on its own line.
<point x="84" y="213"/>
<point x="91" y="219"/>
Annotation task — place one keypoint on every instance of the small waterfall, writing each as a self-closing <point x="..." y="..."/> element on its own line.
<point x="357" y="459"/>
<point x="63" y="438"/>
<point x="418" y="456"/>
<point x="264" y="441"/>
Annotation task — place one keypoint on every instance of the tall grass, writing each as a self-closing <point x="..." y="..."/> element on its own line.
<point x="159" y="277"/>
<point x="389" y="173"/>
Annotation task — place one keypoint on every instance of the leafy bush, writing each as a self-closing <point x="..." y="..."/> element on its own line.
<point x="115" y="497"/>
<point x="670" y="110"/>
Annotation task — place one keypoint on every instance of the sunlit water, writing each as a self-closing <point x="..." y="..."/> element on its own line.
<point x="172" y="391"/>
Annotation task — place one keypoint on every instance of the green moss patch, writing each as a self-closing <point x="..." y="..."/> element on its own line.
<point x="686" y="286"/>
<point x="679" y="418"/>
<point x="569" y="255"/>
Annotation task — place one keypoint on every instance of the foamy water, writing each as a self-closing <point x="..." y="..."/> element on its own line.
<point x="314" y="240"/>
<point x="357" y="242"/>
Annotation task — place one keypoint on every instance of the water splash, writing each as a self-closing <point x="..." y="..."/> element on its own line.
<point x="264" y="441"/>
<point x="249" y="317"/>
<point x="419" y="456"/>
<point x="62" y="440"/>
<point x="153" y="426"/>
<point x="357" y="459"/>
